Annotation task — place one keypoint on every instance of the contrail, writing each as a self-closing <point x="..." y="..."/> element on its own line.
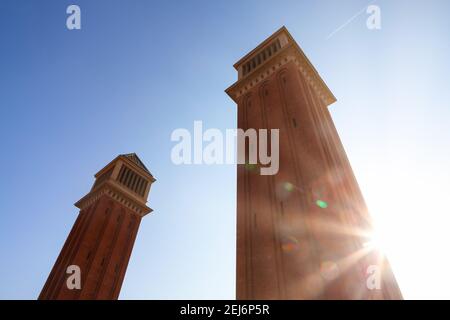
<point x="350" y="20"/>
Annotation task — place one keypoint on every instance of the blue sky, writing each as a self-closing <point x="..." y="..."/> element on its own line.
<point x="70" y="101"/>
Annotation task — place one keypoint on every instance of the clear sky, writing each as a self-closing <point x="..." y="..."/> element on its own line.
<point x="70" y="101"/>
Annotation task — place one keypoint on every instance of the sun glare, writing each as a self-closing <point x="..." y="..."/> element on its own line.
<point x="409" y="228"/>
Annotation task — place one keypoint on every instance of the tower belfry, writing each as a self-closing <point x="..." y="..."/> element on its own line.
<point x="303" y="233"/>
<point x="102" y="238"/>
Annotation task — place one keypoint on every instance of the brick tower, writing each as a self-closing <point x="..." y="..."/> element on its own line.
<point x="303" y="233"/>
<point x="102" y="238"/>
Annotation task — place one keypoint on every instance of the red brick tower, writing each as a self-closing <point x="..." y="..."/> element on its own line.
<point x="102" y="238"/>
<point x="303" y="233"/>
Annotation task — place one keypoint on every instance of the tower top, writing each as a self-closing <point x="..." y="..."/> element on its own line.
<point x="273" y="53"/>
<point x="125" y="179"/>
<point x="133" y="157"/>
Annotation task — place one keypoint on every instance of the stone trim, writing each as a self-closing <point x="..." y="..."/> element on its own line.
<point x="115" y="194"/>
<point x="287" y="54"/>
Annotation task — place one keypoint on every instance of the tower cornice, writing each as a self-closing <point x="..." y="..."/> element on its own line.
<point x="125" y="179"/>
<point x="289" y="51"/>
<point x="116" y="192"/>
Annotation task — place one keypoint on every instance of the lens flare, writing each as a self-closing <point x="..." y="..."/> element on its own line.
<point x="289" y="187"/>
<point x="329" y="270"/>
<point x="250" y="166"/>
<point x="322" y="204"/>
<point x="290" y="244"/>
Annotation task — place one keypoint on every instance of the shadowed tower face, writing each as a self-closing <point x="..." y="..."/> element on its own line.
<point x="102" y="238"/>
<point x="303" y="233"/>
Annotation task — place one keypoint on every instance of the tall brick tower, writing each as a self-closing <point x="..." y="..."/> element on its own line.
<point x="303" y="233"/>
<point x="102" y="238"/>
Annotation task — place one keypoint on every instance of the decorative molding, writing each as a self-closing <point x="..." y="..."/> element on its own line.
<point x="271" y="66"/>
<point x="290" y="51"/>
<point x="109" y="189"/>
